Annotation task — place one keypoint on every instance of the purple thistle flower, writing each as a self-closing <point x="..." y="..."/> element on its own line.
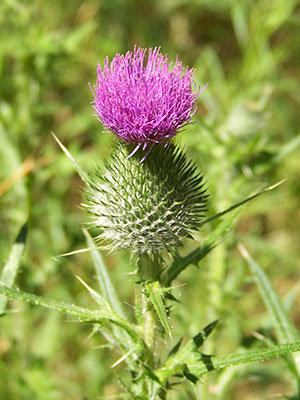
<point x="144" y="99"/>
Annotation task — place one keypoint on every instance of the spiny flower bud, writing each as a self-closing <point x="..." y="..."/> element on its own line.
<point x="146" y="207"/>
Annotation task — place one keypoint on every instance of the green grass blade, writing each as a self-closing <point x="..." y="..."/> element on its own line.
<point x="283" y="325"/>
<point x="106" y="286"/>
<point x="156" y="295"/>
<point x="83" y="175"/>
<point x="10" y="269"/>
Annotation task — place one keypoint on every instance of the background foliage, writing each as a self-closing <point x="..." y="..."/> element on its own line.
<point x="246" y="137"/>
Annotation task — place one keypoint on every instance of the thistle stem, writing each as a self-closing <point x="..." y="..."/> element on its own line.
<point x="148" y="270"/>
<point x="149" y="323"/>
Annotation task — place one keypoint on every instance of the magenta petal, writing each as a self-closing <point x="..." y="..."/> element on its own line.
<point x="143" y="98"/>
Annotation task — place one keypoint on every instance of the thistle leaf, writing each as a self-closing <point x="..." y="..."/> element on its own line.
<point x="175" y="349"/>
<point x="178" y="359"/>
<point x="180" y="263"/>
<point x="199" y="364"/>
<point x="83" y="314"/>
<point x="203" y="335"/>
<point x="156" y="295"/>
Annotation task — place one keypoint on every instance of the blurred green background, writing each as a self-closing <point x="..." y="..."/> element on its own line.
<point x="246" y="137"/>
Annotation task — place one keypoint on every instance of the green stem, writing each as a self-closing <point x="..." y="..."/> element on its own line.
<point x="149" y="323"/>
<point x="148" y="270"/>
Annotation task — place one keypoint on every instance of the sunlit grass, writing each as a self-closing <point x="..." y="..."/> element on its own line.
<point x="246" y="138"/>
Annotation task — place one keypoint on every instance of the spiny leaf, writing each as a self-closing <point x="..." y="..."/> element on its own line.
<point x="190" y="377"/>
<point x="222" y="362"/>
<point x="170" y="296"/>
<point x="149" y="372"/>
<point x="180" y="263"/>
<point x="178" y="359"/>
<point x="83" y="314"/>
<point x="175" y="349"/>
<point x="203" y="335"/>
<point x="199" y="364"/>
<point x="11" y="268"/>
<point x="156" y="295"/>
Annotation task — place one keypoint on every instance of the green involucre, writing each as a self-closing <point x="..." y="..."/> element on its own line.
<point x="146" y="207"/>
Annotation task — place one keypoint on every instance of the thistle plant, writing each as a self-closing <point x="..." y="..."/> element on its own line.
<point x="149" y="197"/>
<point x="148" y="200"/>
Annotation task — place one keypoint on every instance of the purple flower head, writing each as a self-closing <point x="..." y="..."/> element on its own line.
<point x="144" y="99"/>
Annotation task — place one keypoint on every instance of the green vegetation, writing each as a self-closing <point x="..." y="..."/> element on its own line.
<point x="246" y="137"/>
